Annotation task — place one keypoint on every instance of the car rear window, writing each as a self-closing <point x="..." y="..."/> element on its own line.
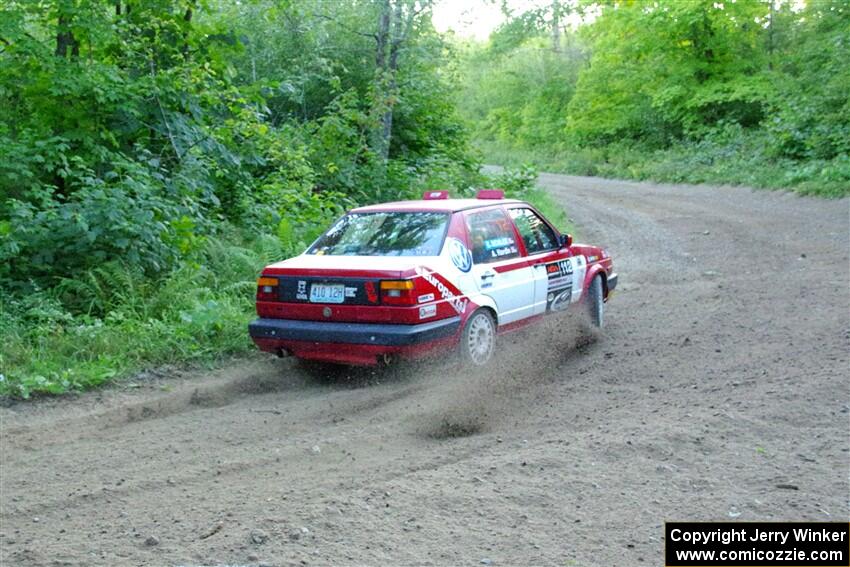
<point x="384" y="234"/>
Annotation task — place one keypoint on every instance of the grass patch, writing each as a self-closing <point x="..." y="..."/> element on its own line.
<point x="739" y="161"/>
<point x="112" y="322"/>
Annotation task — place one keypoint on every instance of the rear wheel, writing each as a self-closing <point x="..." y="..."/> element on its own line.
<point x="478" y="340"/>
<point x="596" y="302"/>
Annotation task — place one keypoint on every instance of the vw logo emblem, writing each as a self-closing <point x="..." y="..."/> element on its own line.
<point x="460" y="255"/>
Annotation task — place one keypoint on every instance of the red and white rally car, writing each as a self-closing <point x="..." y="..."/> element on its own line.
<point x="408" y="278"/>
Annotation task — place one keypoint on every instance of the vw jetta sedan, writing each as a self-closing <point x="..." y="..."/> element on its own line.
<point x="404" y="279"/>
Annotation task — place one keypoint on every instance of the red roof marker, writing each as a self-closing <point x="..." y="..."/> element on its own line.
<point x="435" y="195"/>
<point x="490" y="194"/>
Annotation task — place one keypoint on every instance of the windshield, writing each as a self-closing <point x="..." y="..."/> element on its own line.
<point x="384" y="234"/>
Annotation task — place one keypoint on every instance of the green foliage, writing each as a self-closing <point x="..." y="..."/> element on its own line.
<point x="519" y="97"/>
<point x="123" y="214"/>
<point x="727" y="92"/>
<point x="686" y="66"/>
<point x="812" y="119"/>
<point x="110" y="321"/>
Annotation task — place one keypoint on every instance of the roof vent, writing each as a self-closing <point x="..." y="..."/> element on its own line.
<point x="490" y="194"/>
<point x="435" y="195"/>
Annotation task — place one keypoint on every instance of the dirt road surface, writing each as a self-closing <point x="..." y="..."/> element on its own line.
<point x="719" y="390"/>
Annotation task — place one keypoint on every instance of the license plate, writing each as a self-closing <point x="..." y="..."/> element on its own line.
<point x="327" y="293"/>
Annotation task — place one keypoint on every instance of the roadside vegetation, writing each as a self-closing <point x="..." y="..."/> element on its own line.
<point x="748" y="92"/>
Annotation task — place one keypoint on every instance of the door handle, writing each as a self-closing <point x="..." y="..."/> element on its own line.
<point x="488" y="274"/>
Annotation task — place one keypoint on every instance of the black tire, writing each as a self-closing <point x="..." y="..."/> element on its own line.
<point x="596" y="302"/>
<point x="478" y="340"/>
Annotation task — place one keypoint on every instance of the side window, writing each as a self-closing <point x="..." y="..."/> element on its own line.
<point x="491" y="236"/>
<point x="536" y="234"/>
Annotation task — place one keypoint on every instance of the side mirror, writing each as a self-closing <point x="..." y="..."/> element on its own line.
<point x="566" y="240"/>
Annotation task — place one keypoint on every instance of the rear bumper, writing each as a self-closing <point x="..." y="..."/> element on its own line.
<point x="351" y="343"/>
<point x="353" y="333"/>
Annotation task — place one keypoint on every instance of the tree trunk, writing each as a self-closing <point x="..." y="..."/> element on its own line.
<point x="382" y="38"/>
<point x="65" y="38"/>
<point x="187" y="17"/>
<point x="394" y="26"/>
<point x="397" y="34"/>
<point x="770" y="31"/>
<point x="556" y="26"/>
<point x="382" y="110"/>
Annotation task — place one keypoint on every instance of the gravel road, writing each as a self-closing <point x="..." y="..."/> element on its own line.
<point x="719" y="389"/>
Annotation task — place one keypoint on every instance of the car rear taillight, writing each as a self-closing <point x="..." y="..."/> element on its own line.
<point x="267" y="289"/>
<point x="397" y="292"/>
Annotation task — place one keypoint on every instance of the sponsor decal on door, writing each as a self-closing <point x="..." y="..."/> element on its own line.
<point x="560" y="275"/>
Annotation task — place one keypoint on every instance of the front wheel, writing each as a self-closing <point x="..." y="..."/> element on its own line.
<point x="478" y="340"/>
<point x="596" y="302"/>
